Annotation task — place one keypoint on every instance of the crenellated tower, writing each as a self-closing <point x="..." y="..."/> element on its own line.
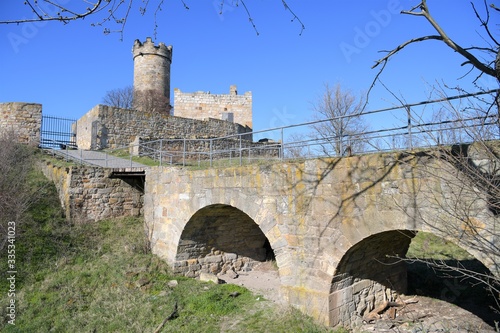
<point x="151" y="71"/>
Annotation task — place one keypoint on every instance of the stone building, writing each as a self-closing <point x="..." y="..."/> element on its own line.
<point x="202" y="105"/>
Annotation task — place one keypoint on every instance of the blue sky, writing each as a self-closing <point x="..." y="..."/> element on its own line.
<point x="69" y="68"/>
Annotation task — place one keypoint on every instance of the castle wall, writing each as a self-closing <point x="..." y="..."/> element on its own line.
<point x="203" y="105"/>
<point x="108" y="127"/>
<point x="23" y="119"/>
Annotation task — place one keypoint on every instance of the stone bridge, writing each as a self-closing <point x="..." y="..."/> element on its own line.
<point x="334" y="226"/>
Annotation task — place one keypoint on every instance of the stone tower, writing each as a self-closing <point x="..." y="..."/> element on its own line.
<point x="152" y="70"/>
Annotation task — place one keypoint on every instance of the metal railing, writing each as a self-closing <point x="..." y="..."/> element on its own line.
<point x="410" y="129"/>
<point x="57" y="132"/>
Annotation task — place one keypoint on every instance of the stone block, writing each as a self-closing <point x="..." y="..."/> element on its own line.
<point x="209" y="277"/>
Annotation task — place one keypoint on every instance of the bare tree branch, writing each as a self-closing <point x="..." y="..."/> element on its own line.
<point x="424" y="11"/>
<point x="484" y="23"/>
<point x="49" y="10"/>
<point x="402" y="46"/>
<point x="295" y="17"/>
<point x="42" y="15"/>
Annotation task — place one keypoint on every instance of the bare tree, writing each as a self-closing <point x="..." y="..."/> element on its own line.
<point x="340" y="128"/>
<point x="112" y="15"/>
<point x="296" y="146"/>
<point x="120" y="98"/>
<point x="16" y="196"/>
<point x="151" y="101"/>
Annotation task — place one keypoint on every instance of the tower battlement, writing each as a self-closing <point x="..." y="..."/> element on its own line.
<point x="151" y="75"/>
<point x="149" y="48"/>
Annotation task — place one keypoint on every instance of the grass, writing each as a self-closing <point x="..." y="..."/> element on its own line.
<point x="443" y="272"/>
<point x="124" y="153"/>
<point x="427" y="245"/>
<point x="99" y="277"/>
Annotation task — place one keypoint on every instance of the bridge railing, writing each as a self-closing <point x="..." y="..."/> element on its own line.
<point x="411" y="128"/>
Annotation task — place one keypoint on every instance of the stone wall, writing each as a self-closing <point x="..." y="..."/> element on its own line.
<point x="23" y="119"/>
<point x="204" y="105"/>
<point x="89" y="194"/>
<point x="108" y="127"/>
<point x="218" y="239"/>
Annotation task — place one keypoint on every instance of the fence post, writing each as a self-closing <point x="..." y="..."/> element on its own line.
<point x="410" y="143"/>
<point x="161" y="150"/>
<point x="211" y="152"/>
<point x="241" y="153"/>
<point x="282" y="157"/>
<point x="341" y="142"/>
<point x="184" y="153"/>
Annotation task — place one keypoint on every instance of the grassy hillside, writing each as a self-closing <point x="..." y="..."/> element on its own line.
<point x="99" y="277"/>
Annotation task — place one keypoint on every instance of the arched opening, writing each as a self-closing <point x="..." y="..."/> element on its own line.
<point x="442" y="270"/>
<point x="369" y="272"/>
<point x="219" y="238"/>
<point x="384" y="266"/>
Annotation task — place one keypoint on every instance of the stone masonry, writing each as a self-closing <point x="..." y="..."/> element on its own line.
<point x="89" y="194"/>
<point x="152" y="67"/>
<point x="330" y="223"/>
<point x="22" y="119"/>
<point x="203" y="105"/>
<point x="108" y="127"/>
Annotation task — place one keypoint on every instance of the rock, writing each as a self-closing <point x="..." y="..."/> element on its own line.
<point x="209" y="277"/>
<point x="232" y="274"/>
<point x="172" y="283"/>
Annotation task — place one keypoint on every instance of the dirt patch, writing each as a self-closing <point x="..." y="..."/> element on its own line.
<point x="431" y="316"/>
<point x="427" y="315"/>
<point x="262" y="280"/>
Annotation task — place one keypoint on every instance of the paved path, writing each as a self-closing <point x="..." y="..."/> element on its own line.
<point x="97" y="158"/>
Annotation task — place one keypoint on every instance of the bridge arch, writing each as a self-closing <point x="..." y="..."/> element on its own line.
<point x="371" y="272"/>
<point x="218" y="238"/>
<point x="366" y="274"/>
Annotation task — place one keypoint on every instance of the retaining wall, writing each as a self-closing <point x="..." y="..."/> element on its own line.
<point x="89" y="194"/>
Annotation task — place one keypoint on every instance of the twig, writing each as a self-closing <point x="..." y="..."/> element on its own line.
<point x="170" y="317"/>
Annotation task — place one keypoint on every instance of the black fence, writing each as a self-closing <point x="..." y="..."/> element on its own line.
<point x="58" y="133"/>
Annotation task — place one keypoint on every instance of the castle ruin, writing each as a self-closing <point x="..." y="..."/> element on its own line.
<point x="196" y="115"/>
